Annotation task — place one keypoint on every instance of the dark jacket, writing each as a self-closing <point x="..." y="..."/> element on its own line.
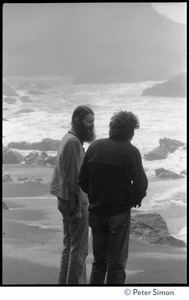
<point x="113" y="177"/>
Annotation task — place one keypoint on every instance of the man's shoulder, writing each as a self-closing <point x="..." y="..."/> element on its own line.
<point x="69" y="140"/>
<point x="99" y="142"/>
<point x="133" y="152"/>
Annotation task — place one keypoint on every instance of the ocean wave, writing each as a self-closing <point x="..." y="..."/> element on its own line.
<point x="181" y="235"/>
<point x="168" y="200"/>
<point x="51" y="116"/>
<point x="175" y="162"/>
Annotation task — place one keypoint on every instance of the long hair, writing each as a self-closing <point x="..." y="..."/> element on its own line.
<point x="81" y="112"/>
<point x="122" y="125"/>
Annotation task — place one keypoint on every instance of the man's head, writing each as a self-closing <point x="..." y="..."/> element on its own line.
<point x="83" y="123"/>
<point x="122" y="125"/>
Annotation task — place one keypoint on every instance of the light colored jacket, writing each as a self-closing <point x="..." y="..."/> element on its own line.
<point x="64" y="183"/>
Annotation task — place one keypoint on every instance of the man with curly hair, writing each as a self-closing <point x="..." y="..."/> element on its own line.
<point x="113" y="177"/>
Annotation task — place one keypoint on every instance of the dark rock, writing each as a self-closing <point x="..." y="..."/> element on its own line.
<point x="7" y="178"/>
<point x="33" y="157"/>
<point x="183" y="172"/>
<point x="26" y="99"/>
<point x="152" y="228"/>
<point x="9" y="100"/>
<point x="22" y="178"/>
<point x="39" y="159"/>
<point x="161" y="152"/>
<point x="157" y="153"/>
<point x="23" y="111"/>
<point x="35" y="179"/>
<point x="174" y="87"/>
<point x="11" y="157"/>
<point x="170" y="145"/>
<point x="42" y="157"/>
<point x="25" y="179"/>
<point x="50" y="161"/>
<point x="20" y="145"/>
<point x="45" y="145"/>
<point x="163" y="173"/>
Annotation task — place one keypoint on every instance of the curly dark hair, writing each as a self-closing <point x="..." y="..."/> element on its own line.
<point x="122" y="125"/>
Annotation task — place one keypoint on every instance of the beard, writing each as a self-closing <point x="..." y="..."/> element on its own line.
<point x="86" y="133"/>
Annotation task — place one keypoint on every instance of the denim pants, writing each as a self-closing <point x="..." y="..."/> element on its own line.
<point x="110" y="239"/>
<point x="75" y="245"/>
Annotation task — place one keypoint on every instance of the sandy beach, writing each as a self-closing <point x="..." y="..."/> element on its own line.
<point x="32" y="235"/>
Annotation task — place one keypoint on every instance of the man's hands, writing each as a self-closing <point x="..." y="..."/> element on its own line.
<point x="75" y="207"/>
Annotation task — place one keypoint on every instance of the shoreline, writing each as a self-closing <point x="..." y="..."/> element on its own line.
<point x="160" y="192"/>
<point x="32" y="235"/>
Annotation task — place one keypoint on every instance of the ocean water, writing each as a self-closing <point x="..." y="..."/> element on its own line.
<point x="54" y="99"/>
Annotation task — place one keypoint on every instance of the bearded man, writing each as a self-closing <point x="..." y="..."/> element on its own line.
<point x="72" y="201"/>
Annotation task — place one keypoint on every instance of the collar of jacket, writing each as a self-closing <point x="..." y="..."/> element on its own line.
<point x="74" y="133"/>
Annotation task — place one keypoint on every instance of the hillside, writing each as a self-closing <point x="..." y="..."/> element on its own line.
<point x="173" y="87"/>
<point x="95" y="43"/>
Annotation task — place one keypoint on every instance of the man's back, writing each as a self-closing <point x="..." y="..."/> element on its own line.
<point x="112" y="166"/>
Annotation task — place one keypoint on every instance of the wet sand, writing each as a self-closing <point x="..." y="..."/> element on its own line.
<point x="32" y="236"/>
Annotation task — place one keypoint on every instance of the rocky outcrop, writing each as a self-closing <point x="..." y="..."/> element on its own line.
<point x="25" y="179"/>
<point x="45" y="145"/>
<point x="39" y="158"/>
<point x="22" y="178"/>
<point x="49" y="161"/>
<point x="170" y="145"/>
<point x="43" y="155"/>
<point x="174" y="87"/>
<point x="152" y="228"/>
<point x="31" y="158"/>
<point x="7" y="178"/>
<point x="183" y="172"/>
<point x="157" y="153"/>
<point x="165" y="147"/>
<point x="34" y="158"/>
<point x="11" y="157"/>
<point x="20" y="145"/>
<point x="9" y="100"/>
<point x="163" y="173"/>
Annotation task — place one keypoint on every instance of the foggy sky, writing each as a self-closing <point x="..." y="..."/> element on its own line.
<point x="64" y="38"/>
